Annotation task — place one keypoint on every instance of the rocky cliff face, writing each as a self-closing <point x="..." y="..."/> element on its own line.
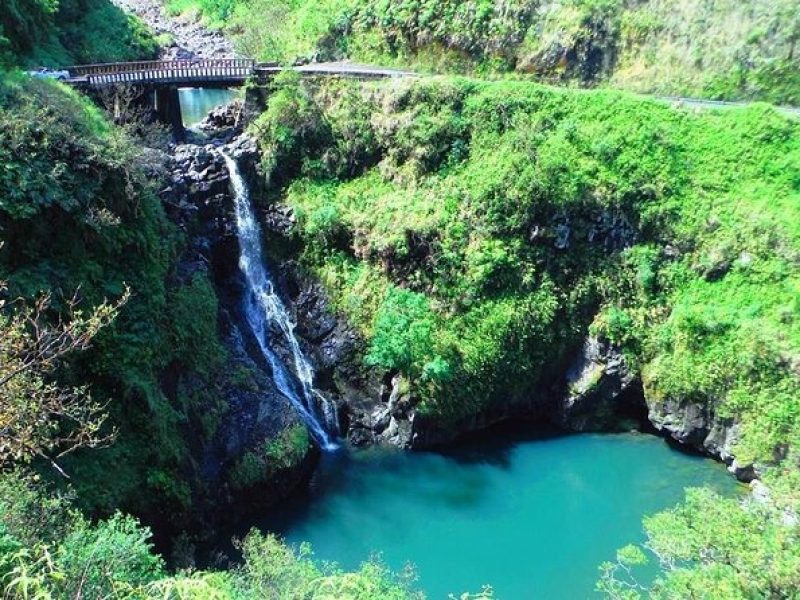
<point x="244" y="410"/>
<point x="698" y="427"/>
<point x="600" y="393"/>
<point x="333" y="346"/>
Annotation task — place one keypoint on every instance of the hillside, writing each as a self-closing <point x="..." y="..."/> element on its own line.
<point x="476" y="232"/>
<point x="59" y="33"/>
<point x="722" y="49"/>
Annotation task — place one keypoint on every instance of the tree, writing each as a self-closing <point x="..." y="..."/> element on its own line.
<point x="128" y="108"/>
<point x="404" y="329"/>
<point x="716" y="547"/>
<point x="39" y="418"/>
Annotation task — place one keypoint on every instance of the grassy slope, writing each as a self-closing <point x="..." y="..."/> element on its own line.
<point x="431" y="209"/>
<point x="728" y="49"/>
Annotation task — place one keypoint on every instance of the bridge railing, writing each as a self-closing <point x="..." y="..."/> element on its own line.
<point x="161" y="65"/>
<point x="218" y="71"/>
<point x="234" y="70"/>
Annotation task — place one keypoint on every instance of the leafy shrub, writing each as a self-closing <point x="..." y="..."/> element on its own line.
<point x="114" y="558"/>
<point x="194" y="318"/>
<point x="614" y="325"/>
<point x="732" y="49"/>
<point x="284" y="451"/>
<point x="96" y="560"/>
<point x="715" y="547"/>
<point x="404" y="328"/>
<point x="273" y="570"/>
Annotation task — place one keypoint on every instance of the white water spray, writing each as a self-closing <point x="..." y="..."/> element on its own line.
<point x="263" y="307"/>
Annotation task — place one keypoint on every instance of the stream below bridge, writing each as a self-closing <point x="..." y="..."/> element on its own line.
<point x="196" y="103"/>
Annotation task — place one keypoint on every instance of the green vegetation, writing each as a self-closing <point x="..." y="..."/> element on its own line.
<point x="474" y="232"/>
<point x="57" y="33"/>
<point x="80" y="215"/>
<point x="731" y="49"/>
<point x="49" y="551"/>
<point x="285" y="450"/>
<point x="714" y="547"/>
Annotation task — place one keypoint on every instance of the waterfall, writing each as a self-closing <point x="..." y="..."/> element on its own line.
<point x="263" y="308"/>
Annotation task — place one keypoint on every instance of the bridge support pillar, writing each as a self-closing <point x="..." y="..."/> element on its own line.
<point x="168" y="110"/>
<point x="255" y="100"/>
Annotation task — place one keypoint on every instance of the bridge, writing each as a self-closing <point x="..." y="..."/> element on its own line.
<point x="162" y="78"/>
<point x="220" y="72"/>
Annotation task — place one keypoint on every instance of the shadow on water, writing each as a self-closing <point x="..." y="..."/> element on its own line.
<point x="516" y="506"/>
<point x="352" y="472"/>
<point x="494" y="446"/>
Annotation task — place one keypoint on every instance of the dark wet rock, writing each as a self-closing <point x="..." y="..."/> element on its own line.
<point x="717" y="271"/>
<point x="240" y="409"/>
<point x="227" y="116"/>
<point x="280" y="219"/>
<point x="426" y="433"/>
<point x="610" y="229"/>
<point x="562" y="232"/>
<point x="700" y="428"/>
<point x="595" y="397"/>
<point x="333" y="347"/>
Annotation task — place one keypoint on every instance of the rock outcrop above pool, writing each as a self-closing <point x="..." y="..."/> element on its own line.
<point x="700" y="428"/>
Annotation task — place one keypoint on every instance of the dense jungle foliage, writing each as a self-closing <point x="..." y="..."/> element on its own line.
<point x="723" y="49"/>
<point x="55" y="33"/>
<point x="79" y="214"/>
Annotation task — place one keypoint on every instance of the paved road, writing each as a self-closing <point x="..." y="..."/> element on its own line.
<point x="700" y="103"/>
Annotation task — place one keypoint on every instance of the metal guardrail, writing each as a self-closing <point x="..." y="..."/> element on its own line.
<point x="703" y="103"/>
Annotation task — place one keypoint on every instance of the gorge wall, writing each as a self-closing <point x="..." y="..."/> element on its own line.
<point x="574" y="249"/>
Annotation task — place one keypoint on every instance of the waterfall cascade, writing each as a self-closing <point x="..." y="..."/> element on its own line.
<point x="263" y="308"/>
